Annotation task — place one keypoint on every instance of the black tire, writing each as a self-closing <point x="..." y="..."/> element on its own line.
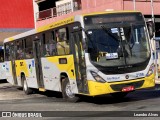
<point x="119" y="95"/>
<point x="70" y="97"/>
<point x="26" y="89"/>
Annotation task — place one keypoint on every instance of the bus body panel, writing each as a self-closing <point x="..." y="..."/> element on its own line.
<point x="117" y="77"/>
<point x="2" y="71"/>
<point x="26" y="67"/>
<point x="52" y="70"/>
<point x="9" y="75"/>
<point x="137" y="79"/>
<point x="51" y="74"/>
<point x="96" y="88"/>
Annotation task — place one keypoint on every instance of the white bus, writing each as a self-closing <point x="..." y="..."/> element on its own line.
<point x="90" y="54"/>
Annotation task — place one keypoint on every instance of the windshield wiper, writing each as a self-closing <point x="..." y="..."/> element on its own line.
<point x="88" y="38"/>
<point x="106" y="46"/>
<point x="132" y="34"/>
<point x="109" y="33"/>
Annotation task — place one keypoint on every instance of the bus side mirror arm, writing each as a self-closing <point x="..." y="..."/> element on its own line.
<point x="151" y="28"/>
<point x="84" y="42"/>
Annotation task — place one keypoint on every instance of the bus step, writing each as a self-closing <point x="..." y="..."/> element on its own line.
<point x="42" y="89"/>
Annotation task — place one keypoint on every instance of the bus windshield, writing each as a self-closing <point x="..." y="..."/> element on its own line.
<point x="118" y="44"/>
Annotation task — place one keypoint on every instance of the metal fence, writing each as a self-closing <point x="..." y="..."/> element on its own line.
<point x="56" y="11"/>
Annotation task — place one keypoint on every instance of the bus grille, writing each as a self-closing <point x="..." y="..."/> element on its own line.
<point x="119" y="87"/>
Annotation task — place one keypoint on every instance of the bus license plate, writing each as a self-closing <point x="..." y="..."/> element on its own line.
<point x="111" y="56"/>
<point x="128" y="88"/>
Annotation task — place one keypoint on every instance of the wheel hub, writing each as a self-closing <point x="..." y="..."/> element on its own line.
<point x="25" y="85"/>
<point x="69" y="91"/>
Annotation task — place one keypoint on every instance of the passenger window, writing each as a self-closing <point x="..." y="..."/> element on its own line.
<point x="20" y="49"/>
<point x="49" y="44"/>
<point x="1" y="55"/>
<point x="28" y="48"/>
<point x="62" y="38"/>
<point x="7" y="52"/>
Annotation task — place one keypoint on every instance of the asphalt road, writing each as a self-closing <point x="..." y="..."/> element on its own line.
<point x="12" y="98"/>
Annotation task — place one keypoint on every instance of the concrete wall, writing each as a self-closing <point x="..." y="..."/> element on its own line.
<point x="102" y="5"/>
<point x="144" y="7"/>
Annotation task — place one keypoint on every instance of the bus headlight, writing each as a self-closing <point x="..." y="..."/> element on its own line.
<point x="151" y="70"/>
<point x="97" y="77"/>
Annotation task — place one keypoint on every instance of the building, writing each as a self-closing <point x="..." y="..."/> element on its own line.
<point x="16" y="16"/>
<point x="48" y="10"/>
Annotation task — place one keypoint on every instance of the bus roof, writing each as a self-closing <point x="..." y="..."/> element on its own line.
<point x="41" y="29"/>
<point x="30" y="32"/>
<point x="108" y="12"/>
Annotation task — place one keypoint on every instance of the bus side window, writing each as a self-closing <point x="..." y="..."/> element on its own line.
<point x="52" y="47"/>
<point x="62" y="38"/>
<point x="1" y="55"/>
<point x="28" y="48"/>
<point x="20" y="49"/>
<point x="46" y="44"/>
<point x="49" y="44"/>
<point x="7" y="52"/>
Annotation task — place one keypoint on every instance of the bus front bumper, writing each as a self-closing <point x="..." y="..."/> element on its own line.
<point x="97" y="88"/>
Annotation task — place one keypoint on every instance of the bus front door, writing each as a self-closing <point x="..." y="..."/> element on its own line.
<point x="13" y="58"/>
<point x="79" y="61"/>
<point x="37" y="57"/>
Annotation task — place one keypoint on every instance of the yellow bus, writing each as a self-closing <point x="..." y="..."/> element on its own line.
<point x="90" y="54"/>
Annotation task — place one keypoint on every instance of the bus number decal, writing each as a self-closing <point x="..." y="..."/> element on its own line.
<point x="139" y="74"/>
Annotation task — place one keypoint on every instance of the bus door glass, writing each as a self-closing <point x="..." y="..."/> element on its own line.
<point x="79" y="60"/>
<point x="37" y="57"/>
<point x="13" y="57"/>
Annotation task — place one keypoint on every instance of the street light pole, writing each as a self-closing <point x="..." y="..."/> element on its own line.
<point x="134" y="4"/>
<point x="155" y="51"/>
<point x="152" y="9"/>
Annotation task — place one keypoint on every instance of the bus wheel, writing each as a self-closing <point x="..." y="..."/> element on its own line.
<point x="26" y="89"/>
<point x="67" y="92"/>
<point x="119" y="95"/>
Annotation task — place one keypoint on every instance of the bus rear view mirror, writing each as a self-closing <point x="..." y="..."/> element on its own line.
<point x="151" y="28"/>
